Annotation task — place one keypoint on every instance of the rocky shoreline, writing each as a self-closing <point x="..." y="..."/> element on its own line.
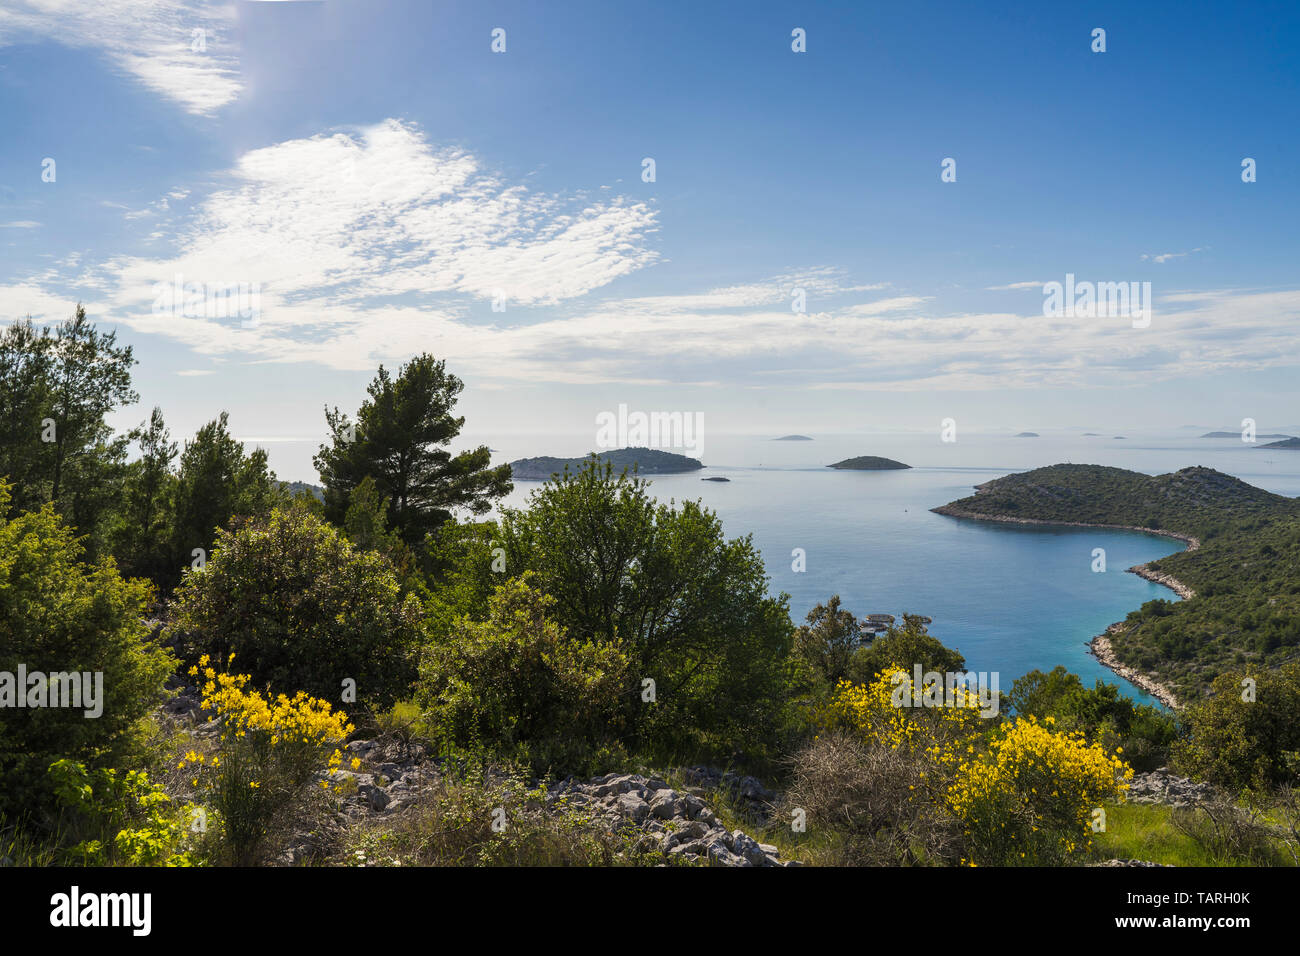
<point x="1105" y="654"/>
<point x="1101" y="645"/>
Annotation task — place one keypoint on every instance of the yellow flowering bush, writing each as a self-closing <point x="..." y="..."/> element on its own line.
<point x="269" y="752"/>
<point x="1028" y="798"/>
<point x="1022" y="792"/>
<point x="871" y="711"/>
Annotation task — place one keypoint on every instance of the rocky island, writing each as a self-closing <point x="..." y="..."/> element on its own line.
<point x="1292" y="443"/>
<point x="642" y="461"/>
<point x="868" y="463"/>
<point x="793" y="438"/>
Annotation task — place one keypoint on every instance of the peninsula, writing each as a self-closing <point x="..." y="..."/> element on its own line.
<point x="1235" y="577"/>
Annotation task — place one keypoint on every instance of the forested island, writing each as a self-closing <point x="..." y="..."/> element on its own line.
<point x="643" y="461"/>
<point x="869" y="463"/>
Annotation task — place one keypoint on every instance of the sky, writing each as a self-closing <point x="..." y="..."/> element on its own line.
<point x="380" y="181"/>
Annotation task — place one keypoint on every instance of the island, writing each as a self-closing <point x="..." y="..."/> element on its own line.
<point x="1027" y="435"/>
<point x="715" y="478"/>
<point x="1292" y="443"/>
<point x="1236" y="575"/>
<point x="793" y="438"/>
<point x="1238" y="435"/>
<point x="868" y="463"/>
<point x="642" y="461"/>
<point x="1091" y="435"/>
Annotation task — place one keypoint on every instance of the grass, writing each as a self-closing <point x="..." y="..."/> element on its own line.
<point x="1151" y="832"/>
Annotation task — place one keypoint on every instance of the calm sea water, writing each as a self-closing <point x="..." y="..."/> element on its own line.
<point x="1010" y="598"/>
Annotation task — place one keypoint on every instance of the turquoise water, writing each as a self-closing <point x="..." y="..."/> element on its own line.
<point x="1010" y="598"/>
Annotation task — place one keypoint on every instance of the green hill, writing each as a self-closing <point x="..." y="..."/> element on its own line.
<point x="1245" y="574"/>
<point x="643" y="461"/>
<point x="868" y="463"/>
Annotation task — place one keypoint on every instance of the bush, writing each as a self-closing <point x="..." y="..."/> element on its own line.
<point x="904" y="647"/>
<point x="1102" y="714"/>
<point x="518" y="687"/>
<point x="269" y="752"/>
<point x="873" y="799"/>
<point x="120" y="819"/>
<point x="690" y="607"/>
<point x="303" y="610"/>
<point x="1243" y="744"/>
<point x="1028" y="798"/>
<point x="59" y="614"/>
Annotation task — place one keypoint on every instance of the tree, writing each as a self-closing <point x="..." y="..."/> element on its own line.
<point x="398" y="440"/>
<point x="905" y="647"/>
<point x="828" y="640"/>
<point x="301" y="609"/>
<point x="1245" y="736"/>
<point x="217" y="482"/>
<point x="141" y="537"/>
<point x="690" y="606"/>
<point x="58" y="390"/>
<point x="25" y="363"/>
<point x="91" y="376"/>
<point x="62" y="615"/>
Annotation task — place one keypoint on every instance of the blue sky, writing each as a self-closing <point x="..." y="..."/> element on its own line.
<point x="378" y="173"/>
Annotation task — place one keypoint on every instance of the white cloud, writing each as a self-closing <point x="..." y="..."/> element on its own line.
<point x="1015" y="286"/>
<point x="20" y="224"/>
<point x="1166" y="256"/>
<point x="149" y="40"/>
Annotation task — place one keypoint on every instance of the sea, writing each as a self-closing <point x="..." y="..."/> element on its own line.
<point x="1011" y="598"/>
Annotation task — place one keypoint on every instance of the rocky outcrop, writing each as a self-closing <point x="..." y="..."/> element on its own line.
<point x="677" y="823"/>
<point x="1161" y="786"/>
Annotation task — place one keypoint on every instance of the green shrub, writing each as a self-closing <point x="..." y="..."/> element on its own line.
<point x="121" y="819"/>
<point x="691" y="607"/>
<point x="59" y="614"/>
<point x="1240" y="743"/>
<point x="518" y="687"/>
<point x="302" y="609"/>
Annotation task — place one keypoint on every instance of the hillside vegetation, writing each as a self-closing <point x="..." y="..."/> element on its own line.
<point x="1245" y="574"/>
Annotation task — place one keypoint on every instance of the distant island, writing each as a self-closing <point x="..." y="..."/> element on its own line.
<point x="1091" y="435"/>
<point x="295" y="487"/>
<point x="1238" y="435"/>
<point x="793" y="438"/>
<point x="868" y="463"/>
<point x="715" y="478"/>
<point x="1027" y="435"/>
<point x="1293" y="443"/>
<point x="643" y="461"/>
<point x="1120" y="438"/>
<point x="1246" y="564"/>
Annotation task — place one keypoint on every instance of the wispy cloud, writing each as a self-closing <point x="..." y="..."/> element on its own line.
<point x="20" y="224"/>
<point x="1015" y="286"/>
<point x="152" y="41"/>
<point x="1167" y="256"/>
